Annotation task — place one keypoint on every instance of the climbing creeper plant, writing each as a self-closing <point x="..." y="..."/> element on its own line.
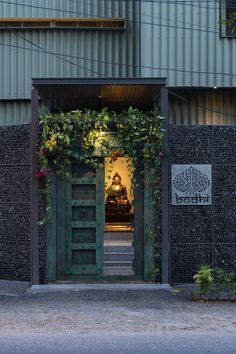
<point x="84" y="136"/>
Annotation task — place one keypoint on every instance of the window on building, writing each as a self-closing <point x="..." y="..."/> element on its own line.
<point x="228" y="18"/>
<point x="62" y="23"/>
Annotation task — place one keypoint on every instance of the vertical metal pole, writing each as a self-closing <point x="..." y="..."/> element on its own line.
<point x="34" y="200"/>
<point x="165" y="191"/>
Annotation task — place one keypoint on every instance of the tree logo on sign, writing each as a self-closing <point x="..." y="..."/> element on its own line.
<point x="191" y="181"/>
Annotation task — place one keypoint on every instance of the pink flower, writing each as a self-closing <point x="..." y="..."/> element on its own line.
<point x="41" y="151"/>
<point x="39" y="174"/>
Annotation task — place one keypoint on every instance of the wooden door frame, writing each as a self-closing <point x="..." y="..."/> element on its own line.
<point x="143" y="239"/>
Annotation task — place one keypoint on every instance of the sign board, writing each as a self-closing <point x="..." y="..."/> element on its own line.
<point x="191" y="185"/>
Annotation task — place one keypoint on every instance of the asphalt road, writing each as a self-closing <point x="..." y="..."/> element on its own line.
<point x="107" y="343"/>
<point x="115" y="322"/>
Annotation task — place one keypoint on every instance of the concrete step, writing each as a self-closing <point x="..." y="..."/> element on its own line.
<point x="118" y="243"/>
<point x="118" y="263"/>
<point x="118" y="236"/>
<point x="120" y="249"/>
<point x="118" y="256"/>
<point x="118" y="271"/>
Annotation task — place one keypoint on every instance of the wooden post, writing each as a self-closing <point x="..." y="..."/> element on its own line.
<point x="51" y="233"/>
<point x="139" y="221"/>
<point x="148" y="230"/>
<point x="165" y="191"/>
<point x="34" y="200"/>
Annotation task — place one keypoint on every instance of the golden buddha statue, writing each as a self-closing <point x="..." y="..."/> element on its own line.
<point x="117" y="201"/>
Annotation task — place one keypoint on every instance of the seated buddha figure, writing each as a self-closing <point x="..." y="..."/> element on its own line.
<point x="117" y="200"/>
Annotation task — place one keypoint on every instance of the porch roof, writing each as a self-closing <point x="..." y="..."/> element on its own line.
<point x="95" y="93"/>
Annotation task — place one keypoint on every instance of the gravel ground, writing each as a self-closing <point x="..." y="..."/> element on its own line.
<point x="120" y="311"/>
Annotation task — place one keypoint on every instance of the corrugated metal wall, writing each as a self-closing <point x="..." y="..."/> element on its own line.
<point x="181" y="40"/>
<point x="211" y="107"/>
<point x="17" y="112"/>
<point x="92" y="53"/>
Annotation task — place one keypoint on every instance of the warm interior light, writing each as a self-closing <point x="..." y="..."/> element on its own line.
<point x="101" y="132"/>
<point x="119" y="196"/>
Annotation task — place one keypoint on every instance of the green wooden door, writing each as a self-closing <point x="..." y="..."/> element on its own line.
<point x="84" y="220"/>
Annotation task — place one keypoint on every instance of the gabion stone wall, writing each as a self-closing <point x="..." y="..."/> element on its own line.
<point x="204" y="234"/>
<point x="15" y="241"/>
<point x="42" y="239"/>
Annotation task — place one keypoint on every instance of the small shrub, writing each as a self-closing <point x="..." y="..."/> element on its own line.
<point x="225" y="283"/>
<point x="204" y="278"/>
<point x="215" y="284"/>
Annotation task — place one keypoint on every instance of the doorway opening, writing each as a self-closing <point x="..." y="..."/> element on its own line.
<point x="119" y="217"/>
<point x="100" y="226"/>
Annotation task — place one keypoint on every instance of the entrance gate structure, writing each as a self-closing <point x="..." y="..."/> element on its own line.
<point x="75" y="231"/>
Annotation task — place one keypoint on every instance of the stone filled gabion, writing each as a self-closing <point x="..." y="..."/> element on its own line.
<point x="204" y="234"/>
<point x="15" y="240"/>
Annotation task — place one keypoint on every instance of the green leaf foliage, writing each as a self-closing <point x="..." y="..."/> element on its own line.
<point x="204" y="278"/>
<point x="86" y="136"/>
<point x="138" y="136"/>
<point x="217" y="283"/>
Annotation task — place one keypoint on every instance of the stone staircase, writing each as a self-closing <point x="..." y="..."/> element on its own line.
<point x="118" y="253"/>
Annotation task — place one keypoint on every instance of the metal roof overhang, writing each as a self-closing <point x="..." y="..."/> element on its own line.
<point x="117" y="94"/>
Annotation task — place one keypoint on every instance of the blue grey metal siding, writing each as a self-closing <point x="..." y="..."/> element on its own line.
<point x="182" y="41"/>
<point x="84" y="53"/>
<point x="17" y="112"/>
<point x="204" y="107"/>
<point x="179" y="40"/>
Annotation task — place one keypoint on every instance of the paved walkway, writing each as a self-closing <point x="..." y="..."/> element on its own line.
<point x="13" y="288"/>
<point x="99" y="286"/>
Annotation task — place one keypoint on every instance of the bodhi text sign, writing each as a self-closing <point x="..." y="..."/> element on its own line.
<point x="191" y="185"/>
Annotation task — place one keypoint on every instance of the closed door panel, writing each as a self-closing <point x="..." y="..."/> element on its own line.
<point x="85" y="220"/>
